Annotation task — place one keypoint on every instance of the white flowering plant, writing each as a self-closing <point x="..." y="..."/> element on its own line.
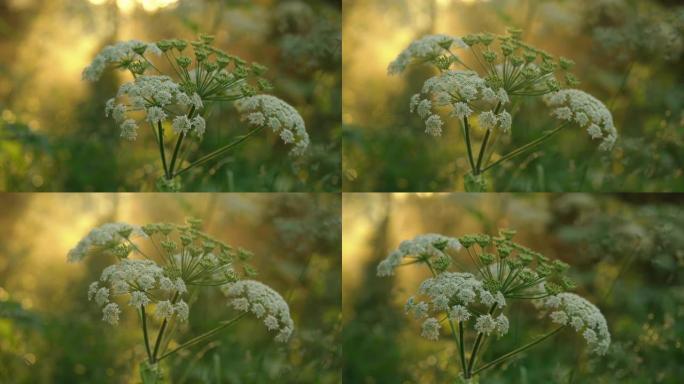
<point x="472" y="303"/>
<point x="483" y="95"/>
<point x="179" y="98"/>
<point x="156" y="279"/>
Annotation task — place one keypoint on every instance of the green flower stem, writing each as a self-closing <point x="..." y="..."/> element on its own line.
<point x="476" y="349"/>
<point x="514" y="352"/>
<point x="466" y="129"/>
<point x="219" y="152"/>
<point x="157" y="344"/>
<point x="461" y="346"/>
<point x="483" y="147"/>
<point x="144" y="324"/>
<point x="525" y="147"/>
<point x="458" y="340"/>
<point x="203" y="336"/>
<point x="179" y="142"/>
<point x="160" y="136"/>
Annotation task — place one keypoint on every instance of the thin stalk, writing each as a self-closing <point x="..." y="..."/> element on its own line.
<point x="482" y="150"/>
<point x="458" y="340"/>
<point x="483" y="147"/>
<point x="466" y="129"/>
<point x="514" y="352"/>
<point x="157" y="344"/>
<point x="147" y="340"/>
<point x="476" y="348"/>
<point x="203" y="336"/>
<point x="525" y="147"/>
<point x="461" y="346"/>
<point x="160" y="131"/>
<point x="219" y="151"/>
<point x="179" y="142"/>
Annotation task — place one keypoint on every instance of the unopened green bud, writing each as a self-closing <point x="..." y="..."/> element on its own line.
<point x="442" y="263"/>
<point x="470" y="40"/>
<point x="489" y="56"/>
<point x="487" y="258"/>
<point x="184" y="61"/>
<point x="553" y="85"/>
<point x="566" y="64"/>
<point x="180" y="44"/>
<point x="249" y="271"/>
<point x="244" y="254"/>
<point x="165" y="45"/>
<point x="140" y="48"/>
<point x="486" y="39"/>
<point x="467" y="241"/>
<point x="571" y="80"/>
<point x="515" y="33"/>
<point x="507" y="49"/>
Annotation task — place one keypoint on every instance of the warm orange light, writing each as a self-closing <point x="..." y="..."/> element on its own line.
<point x="128" y="6"/>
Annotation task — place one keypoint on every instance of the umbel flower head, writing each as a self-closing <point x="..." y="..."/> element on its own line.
<point x="584" y="317"/>
<point x="503" y="68"/>
<point x="121" y="55"/>
<point x="145" y="283"/>
<point x="427" y="48"/>
<point x="156" y="99"/>
<point x="264" y="303"/>
<point x="269" y="111"/>
<point x="158" y="282"/>
<point x="460" y="297"/>
<point x="200" y="74"/>
<point x="588" y="112"/>
<point x="107" y="237"/>
<point x="463" y="93"/>
<point x="422" y="248"/>
<point x="475" y="303"/>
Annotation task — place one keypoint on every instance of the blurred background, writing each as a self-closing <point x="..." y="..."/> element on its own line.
<point x="626" y="254"/>
<point x="628" y="54"/>
<point x="50" y="333"/>
<point x="53" y="132"/>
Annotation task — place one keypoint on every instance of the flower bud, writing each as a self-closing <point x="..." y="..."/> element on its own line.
<point x="489" y="56"/>
<point x="184" y="61"/>
<point x="566" y="64"/>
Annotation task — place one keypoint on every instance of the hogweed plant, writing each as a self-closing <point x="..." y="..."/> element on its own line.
<point x="471" y="304"/>
<point x="155" y="280"/>
<point x="505" y="69"/>
<point x="177" y="101"/>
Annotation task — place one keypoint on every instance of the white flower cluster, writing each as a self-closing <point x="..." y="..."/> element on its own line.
<point x="154" y="95"/>
<point x="428" y="245"/>
<point x="423" y="49"/>
<point x="265" y="303"/>
<point x="138" y="278"/>
<point x="116" y="53"/>
<point x="281" y="117"/>
<point x="106" y="235"/>
<point x="577" y="312"/>
<point x="464" y="92"/>
<point x="452" y="293"/>
<point x="585" y="110"/>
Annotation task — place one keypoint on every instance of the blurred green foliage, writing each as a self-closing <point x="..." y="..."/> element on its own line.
<point x="625" y="253"/>
<point x="628" y="54"/>
<point x="53" y="132"/>
<point x="50" y="333"/>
